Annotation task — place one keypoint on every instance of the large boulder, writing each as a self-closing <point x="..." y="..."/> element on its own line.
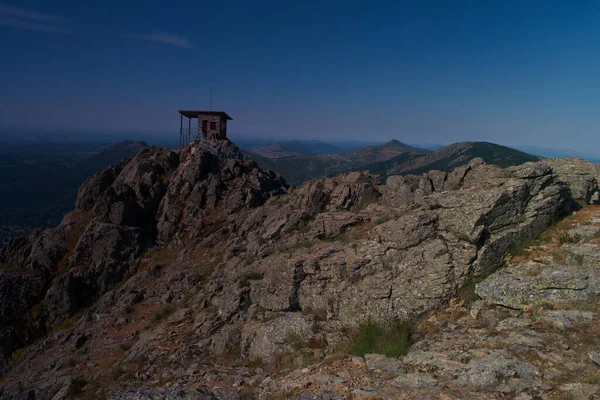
<point x="264" y="341"/>
<point x="104" y="255"/>
<point x="581" y="176"/>
<point x="95" y="185"/>
<point x="582" y="254"/>
<point x="37" y="253"/>
<point x="540" y="284"/>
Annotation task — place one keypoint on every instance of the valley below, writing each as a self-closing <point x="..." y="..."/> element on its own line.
<point x="39" y="180"/>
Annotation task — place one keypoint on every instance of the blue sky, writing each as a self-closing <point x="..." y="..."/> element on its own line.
<point x="510" y="72"/>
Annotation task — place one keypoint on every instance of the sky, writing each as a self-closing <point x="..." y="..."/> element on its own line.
<point x="510" y="72"/>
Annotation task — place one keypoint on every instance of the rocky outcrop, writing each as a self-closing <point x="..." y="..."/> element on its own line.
<point x="120" y="212"/>
<point x="95" y="185"/>
<point x="539" y="284"/>
<point x="222" y="260"/>
<point x="581" y="176"/>
<point x="348" y="248"/>
<point x="202" y="182"/>
<point x="40" y="252"/>
<point x="28" y="267"/>
<point x="170" y="394"/>
<point x="266" y="340"/>
<point x="104" y="255"/>
<point x="533" y="335"/>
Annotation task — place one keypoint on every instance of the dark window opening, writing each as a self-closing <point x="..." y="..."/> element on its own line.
<point x="213" y="126"/>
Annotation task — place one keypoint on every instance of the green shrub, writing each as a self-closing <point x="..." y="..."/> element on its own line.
<point x="593" y="380"/>
<point x="565" y="237"/>
<point x="390" y="339"/>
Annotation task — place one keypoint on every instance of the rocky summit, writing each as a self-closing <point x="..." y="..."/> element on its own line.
<point x="195" y="274"/>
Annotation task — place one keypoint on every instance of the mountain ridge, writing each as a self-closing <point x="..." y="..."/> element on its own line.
<point x="381" y="152"/>
<point x="392" y="158"/>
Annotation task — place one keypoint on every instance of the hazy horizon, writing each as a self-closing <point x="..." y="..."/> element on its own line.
<point x="508" y="73"/>
<point x="172" y="140"/>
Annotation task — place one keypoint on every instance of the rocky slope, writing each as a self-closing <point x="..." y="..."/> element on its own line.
<point x="580" y="176"/>
<point x="196" y="270"/>
<point x="532" y="335"/>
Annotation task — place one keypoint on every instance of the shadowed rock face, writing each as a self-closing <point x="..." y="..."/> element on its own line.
<point x="259" y="263"/>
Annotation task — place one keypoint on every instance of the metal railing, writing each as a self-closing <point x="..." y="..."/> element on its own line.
<point x="191" y="134"/>
<point x="207" y="145"/>
<point x="187" y="134"/>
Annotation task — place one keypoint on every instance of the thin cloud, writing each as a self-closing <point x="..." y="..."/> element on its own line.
<point x="22" y="18"/>
<point x="166" y="38"/>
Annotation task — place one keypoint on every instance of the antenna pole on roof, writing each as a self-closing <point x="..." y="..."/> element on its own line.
<point x="210" y="99"/>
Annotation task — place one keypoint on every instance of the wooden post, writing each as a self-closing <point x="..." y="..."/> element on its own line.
<point x="181" y="130"/>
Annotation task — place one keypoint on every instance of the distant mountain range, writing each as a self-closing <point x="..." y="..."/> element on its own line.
<point x="449" y="157"/>
<point x="288" y="148"/>
<point x="301" y="147"/>
<point x="298" y="169"/>
<point x="382" y="152"/>
<point x="391" y="158"/>
<point x="295" y="148"/>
